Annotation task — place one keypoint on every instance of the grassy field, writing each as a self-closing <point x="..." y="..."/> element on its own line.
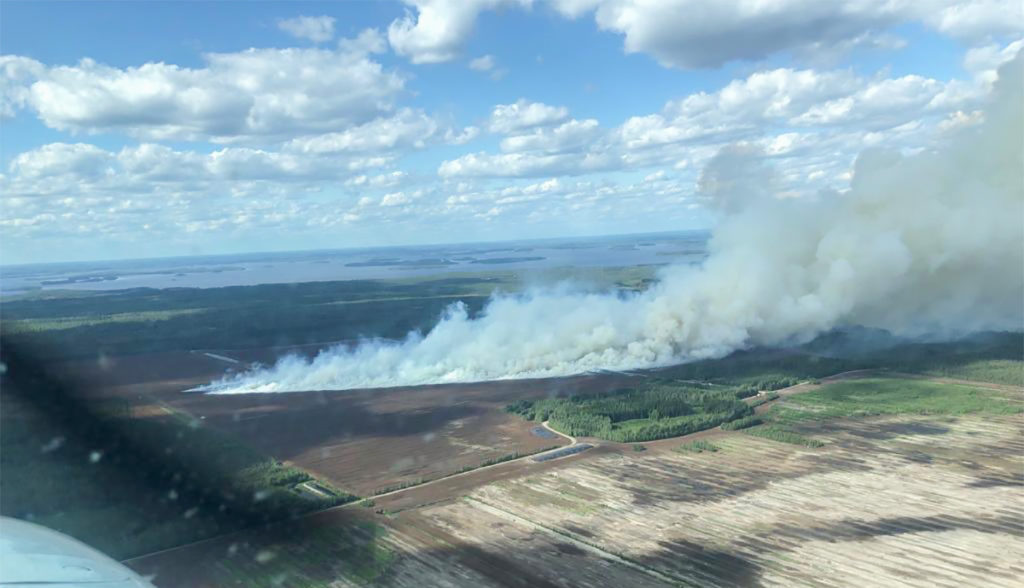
<point x="892" y="396"/>
<point x="873" y="397"/>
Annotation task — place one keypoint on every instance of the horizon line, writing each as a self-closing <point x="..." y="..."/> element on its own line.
<point x="352" y="248"/>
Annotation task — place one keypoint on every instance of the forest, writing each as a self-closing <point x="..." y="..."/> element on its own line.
<point x="655" y="410"/>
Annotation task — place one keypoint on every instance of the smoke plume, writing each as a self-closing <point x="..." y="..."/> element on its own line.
<point x="926" y="244"/>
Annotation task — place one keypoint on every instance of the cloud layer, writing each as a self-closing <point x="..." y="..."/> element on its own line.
<point x="359" y="139"/>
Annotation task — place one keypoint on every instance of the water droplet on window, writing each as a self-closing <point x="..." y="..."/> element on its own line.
<point x="265" y="556"/>
<point x="52" y="445"/>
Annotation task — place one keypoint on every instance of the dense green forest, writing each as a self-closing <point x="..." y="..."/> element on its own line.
<point x="655" y="410"/>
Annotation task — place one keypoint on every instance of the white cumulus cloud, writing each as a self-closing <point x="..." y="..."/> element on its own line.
<point x="708" y="33"/>
<point x="248" y="95"/>
<point x="483" y="63"/>
<point x="438" y="29"/>
<point x="312" y="28"/>
<point x="523" y="114"/>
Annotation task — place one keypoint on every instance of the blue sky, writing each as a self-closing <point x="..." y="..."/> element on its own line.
<point x="163" y="128"/>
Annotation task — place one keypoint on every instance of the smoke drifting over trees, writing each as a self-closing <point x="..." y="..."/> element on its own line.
<point x="928" y="244"/>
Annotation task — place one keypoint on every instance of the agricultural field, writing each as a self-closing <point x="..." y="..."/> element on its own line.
<point x="728" y="509"/>
<point x="944" y="508"/>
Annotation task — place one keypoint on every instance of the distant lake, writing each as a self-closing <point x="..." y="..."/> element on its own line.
<point x="357" y="264"/>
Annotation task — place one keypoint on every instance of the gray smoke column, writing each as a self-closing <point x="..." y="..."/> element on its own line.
<point x="926" y="244"/>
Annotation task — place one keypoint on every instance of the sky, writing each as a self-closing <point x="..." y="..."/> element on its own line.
<point x="150" y="129"/>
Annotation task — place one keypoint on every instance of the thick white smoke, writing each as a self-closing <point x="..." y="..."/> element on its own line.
<point x="927" y="244"/>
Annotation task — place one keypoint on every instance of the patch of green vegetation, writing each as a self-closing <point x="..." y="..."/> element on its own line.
<point x="42" y="325"/>
<point x="891" y="396"/>
<point x="655" y="410"/>
<point x="639" y="448"/>
<point x="867" y="397"/>
<point x="742" y="423"/>
<point x="782" y="435"/>
<point x="698" y="446"/>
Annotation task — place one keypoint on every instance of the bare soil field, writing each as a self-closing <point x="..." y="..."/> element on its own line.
<point x="909" y="501"/>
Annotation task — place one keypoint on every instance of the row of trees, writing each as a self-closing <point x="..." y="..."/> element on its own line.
<point x="742" y="423"/>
